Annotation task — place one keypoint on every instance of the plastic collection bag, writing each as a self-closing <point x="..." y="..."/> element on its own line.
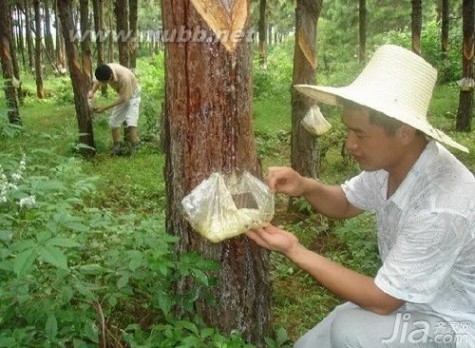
<point x="315" y="122"/>
<point x="223" y="207"/>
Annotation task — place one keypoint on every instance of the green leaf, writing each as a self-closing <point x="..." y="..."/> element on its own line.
<point x="164" y="302"/>
<point x="281" y="336"/>
<point x="6" y="236"/>
<point x="76" y="226"/>
<point x="207" y="332"/>
<point x="67" y="294"/>
<point x="23" y="245"/>
<point x="123" y="281"/>
<point x="63" y="242"/>
<point x="51" y="328"/>
<point x="200" y="276"/>
<point x="52" y="185"/>
<point x="189" y="326"/>
<point x="24" y="262"/>
<point x="7" y="342"/>
<point x="92" y="268"/>
<point x="53" y="256"/>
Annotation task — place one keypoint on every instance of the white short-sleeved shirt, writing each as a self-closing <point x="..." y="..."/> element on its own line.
<point x="426" y="236"/>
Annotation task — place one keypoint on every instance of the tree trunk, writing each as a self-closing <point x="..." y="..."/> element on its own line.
<point x="416" y="25"/>
<point x="303" y="155"/>
<point x="100" y="35"/>
<point x="263" y="34"/>
<point x="464" y="114"/>
<point x="86" y="53"/>
<point x="133" y="34"/>
<point x="79" y="79"/>
<point x="121" y="19"/>
<point x="13" y="54"/>
<point x="362" y="31"/>
<point x="208" y="128"/>
<point x="29" y="36"/>
<point x="110" y="40"/>
<point x="40" y="91"/>
<point x="48" y="35"/>
<point x="7" y="65"/>
<point x="445" y="28"/>
<point x="60" y="60"/>
<point x="21" y="42"/>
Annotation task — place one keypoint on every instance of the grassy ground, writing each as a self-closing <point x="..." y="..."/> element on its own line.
<point x="136" y="185"/>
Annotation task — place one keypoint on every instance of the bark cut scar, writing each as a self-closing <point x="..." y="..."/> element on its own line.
<point x="227" y="22"/>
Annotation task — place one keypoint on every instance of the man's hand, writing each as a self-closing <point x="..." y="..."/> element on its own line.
<point x="285" y="180"/>
<point x="90" y="95"/>
<point x="99" y="109"/>
<point x="273" y="238"/>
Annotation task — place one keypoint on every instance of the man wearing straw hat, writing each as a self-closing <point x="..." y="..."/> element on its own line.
<point x="424" y="293"/>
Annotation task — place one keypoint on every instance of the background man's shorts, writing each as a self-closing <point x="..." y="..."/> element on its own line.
<point x="128" y="112"/>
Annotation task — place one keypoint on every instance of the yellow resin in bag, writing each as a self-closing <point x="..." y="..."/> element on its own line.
<point x="222" y="207"/>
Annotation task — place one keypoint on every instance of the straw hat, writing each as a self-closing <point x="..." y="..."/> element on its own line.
<point x="396" y="82"/>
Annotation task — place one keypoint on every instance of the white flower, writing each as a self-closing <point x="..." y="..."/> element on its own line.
<point x="16" y="176"/>
<point x="28" y="202"/>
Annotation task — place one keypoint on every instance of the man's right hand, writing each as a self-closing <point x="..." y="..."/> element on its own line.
<point x="285" y="180"/>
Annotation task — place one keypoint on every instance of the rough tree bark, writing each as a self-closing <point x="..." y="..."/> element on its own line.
<point x="208" y="128"/>
<point x="86" y="51"/>
<point x="13" y="53"/>
<point x="416" y="25"/>
<point x="40" y="91"/>
<point x="60" y="58"/>
<point x="263" y="33"/>
<point x="303" y="157"/>
<point x="445" y="23"/>
<point x="133" y="14"/>
<point x="29" y="36"/>
<point x="122" y="24"/>
<point x="465" y="110"/>
<point x="79" y="79"/>
<point x="7" y="65"/>
<point x="49" y="45"/>
<point x="100" y="35"/>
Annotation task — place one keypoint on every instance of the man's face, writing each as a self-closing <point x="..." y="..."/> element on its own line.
<point x="369" y="144"/>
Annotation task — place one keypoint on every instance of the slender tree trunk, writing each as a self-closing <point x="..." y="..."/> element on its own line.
<point x="21" y="41"/>
<point x="362" y="31"/>
<point x="40" y="91"/>
<point x="121" y="18"/>
<point x="29" y="36"/>
<point x="13" y="45"/>
<point x="7" y="65"/>
<point x="60" y="60"/>
<point x="416" y="25"/>
<point x="303" y="155"/>
<point x="263" y="33"/>
<point x="80" y="81"/>
<point x="100" y="35"/>
<point x="133" y="34"/>
<point x="465" y="111"/>
<point x="13" y="53"/>
<point x="445" y="28"/>
<point x="208" y="128"/>
<point x="111" y="40"/>
<point x="86" y="52"/>
<point x="49" y="44"/>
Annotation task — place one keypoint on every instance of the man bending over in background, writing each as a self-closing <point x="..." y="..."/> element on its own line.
<point x="125" y="107"/>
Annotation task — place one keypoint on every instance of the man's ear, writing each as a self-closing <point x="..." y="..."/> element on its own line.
<point x="406" y="134"/>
